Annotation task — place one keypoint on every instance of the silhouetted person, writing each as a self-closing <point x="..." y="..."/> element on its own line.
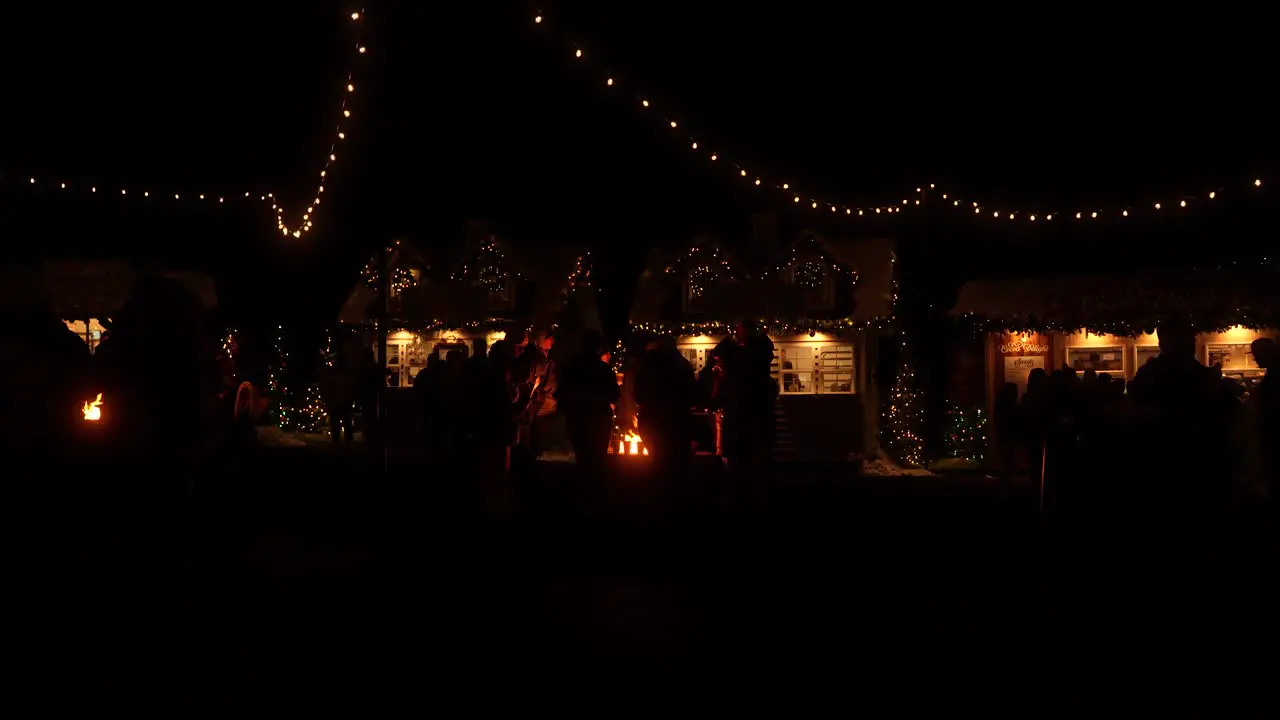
<point x="429" y="399"/>
<point x="1187" y="420"/>
<point x="587" y="393"/>
<point x="489" y="423"/>
<point x="533" y="377"/>
<point x="159" y="373"/>
<point x="369" y="384"/>
<point x="44" y="381"/>
<point x="664" y="394"/>
<point x="1008" y="437"/>
<point x="337" y="390"/>
<point x="1266" y="400"/>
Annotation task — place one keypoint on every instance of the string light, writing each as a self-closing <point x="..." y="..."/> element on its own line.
<point x="305" y="225"/>
<point x="819" y="203"/>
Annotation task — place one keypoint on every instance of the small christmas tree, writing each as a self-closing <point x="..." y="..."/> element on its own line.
<point x="904" y="416"/>
<point x="966" y="437"/>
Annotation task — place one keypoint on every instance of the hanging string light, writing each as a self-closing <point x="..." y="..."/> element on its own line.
<point x="302" y="221"/>
<point x="1180" y="202"/>
<point x="1178" y="205"/>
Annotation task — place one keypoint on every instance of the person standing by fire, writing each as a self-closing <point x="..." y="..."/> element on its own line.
<point x="587" y="393"/>
<point x="534" y="376"/>
<point x="748" y="396"/>
<point x="665" y="391"/>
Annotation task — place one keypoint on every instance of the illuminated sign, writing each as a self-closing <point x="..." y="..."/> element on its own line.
<point x="1023" y="347"/>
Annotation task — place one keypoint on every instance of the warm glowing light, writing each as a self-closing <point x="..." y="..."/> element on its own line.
<point x="1124" y="213"/>
<point x="1212" y="195"/>
<point x="645" y="103"/>
<point x="815" y="205"/>
<point x="609" y="81"/>
<point x="351" y="88"/>
<point x="757" y="181"/>
<point x="342" y="136"/>
<point x="673" y="123"/>
<point x="355" y="16"/>
<point x="577" y="53"/>
<point x="1182" y="203"/>
<point x="630" y="445"/>
<point x="744" y="173"/>
<point x="361" y="49"/>
<point x="93" y="410"/>
<point x="695" y="146"/>
<point x="1257" y="183"/>
<point x="713" y="157"/>
<point x="537" y="18"/>
<point x="346" y="113"/>
<point x="1157" y="206"/>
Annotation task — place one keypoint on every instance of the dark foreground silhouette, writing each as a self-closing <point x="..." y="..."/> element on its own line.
<point x="312" y="579"/>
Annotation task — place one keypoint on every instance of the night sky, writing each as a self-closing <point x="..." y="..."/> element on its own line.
<point x="472" y="112"/>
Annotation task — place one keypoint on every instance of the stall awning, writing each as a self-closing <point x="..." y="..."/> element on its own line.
<point x="730" y="301"/>
<point x="1208" y="300"/>
<point x="95" y="288"/>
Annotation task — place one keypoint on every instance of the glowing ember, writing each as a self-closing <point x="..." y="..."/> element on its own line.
<point x="93" y="411"/>
<point x="630" y="444"/>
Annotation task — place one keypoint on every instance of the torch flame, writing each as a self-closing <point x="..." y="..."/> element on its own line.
<point x="93" y="411"/>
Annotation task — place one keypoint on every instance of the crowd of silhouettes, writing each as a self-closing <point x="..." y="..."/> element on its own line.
<point x="1137" y="472"/>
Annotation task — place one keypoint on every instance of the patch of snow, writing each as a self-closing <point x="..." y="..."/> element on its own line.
<point x="883" y="465"/>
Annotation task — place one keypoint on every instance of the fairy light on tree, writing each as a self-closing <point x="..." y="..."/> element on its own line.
<point x="581" y="275"/>
<point x="966" y="437"/>
<point x="903" y="415"/>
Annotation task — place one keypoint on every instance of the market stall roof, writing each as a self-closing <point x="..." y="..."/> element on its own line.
<point x="873" y="292"/>
<point x="91" y="288"/>
<point x="541" y="278"/>
<point x="1207" y="299"/>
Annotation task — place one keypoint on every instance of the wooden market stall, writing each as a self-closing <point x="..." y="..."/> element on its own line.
<point x="467" y="303"/>
<point x="822" y="302"/>
<point x="1110" y="324"/>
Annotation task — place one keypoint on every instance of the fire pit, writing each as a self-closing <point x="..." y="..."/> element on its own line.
<point x="630" y="443"/>
<point x="93" y="410"/>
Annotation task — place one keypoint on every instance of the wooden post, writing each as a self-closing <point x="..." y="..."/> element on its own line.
<point x="384" y="301"/>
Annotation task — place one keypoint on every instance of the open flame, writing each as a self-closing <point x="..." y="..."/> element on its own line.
<point x="93" y="411"/>
<point x="631" y="444"/>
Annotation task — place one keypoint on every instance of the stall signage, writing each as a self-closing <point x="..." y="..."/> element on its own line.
<point x="1023" y="347"/>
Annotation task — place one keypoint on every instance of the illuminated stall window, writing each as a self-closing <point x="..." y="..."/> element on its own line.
<point x="813" y="368"/>
<point x="91" y="332"/>
<point x="1100" y="353"/>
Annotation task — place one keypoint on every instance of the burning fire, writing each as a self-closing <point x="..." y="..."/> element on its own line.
<point x="93" y="411"/>
<point x="630" y="444"/>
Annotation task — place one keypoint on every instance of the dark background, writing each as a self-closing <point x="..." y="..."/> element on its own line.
<point x="470" y="111"/>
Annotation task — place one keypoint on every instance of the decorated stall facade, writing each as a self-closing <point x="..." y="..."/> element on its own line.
<point x="85" y="294"/>
<point x="469" y="303"/>
<point x="464" y="305"/>
<point x="1111" y="324"/>
<point x="820" y="301"/>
